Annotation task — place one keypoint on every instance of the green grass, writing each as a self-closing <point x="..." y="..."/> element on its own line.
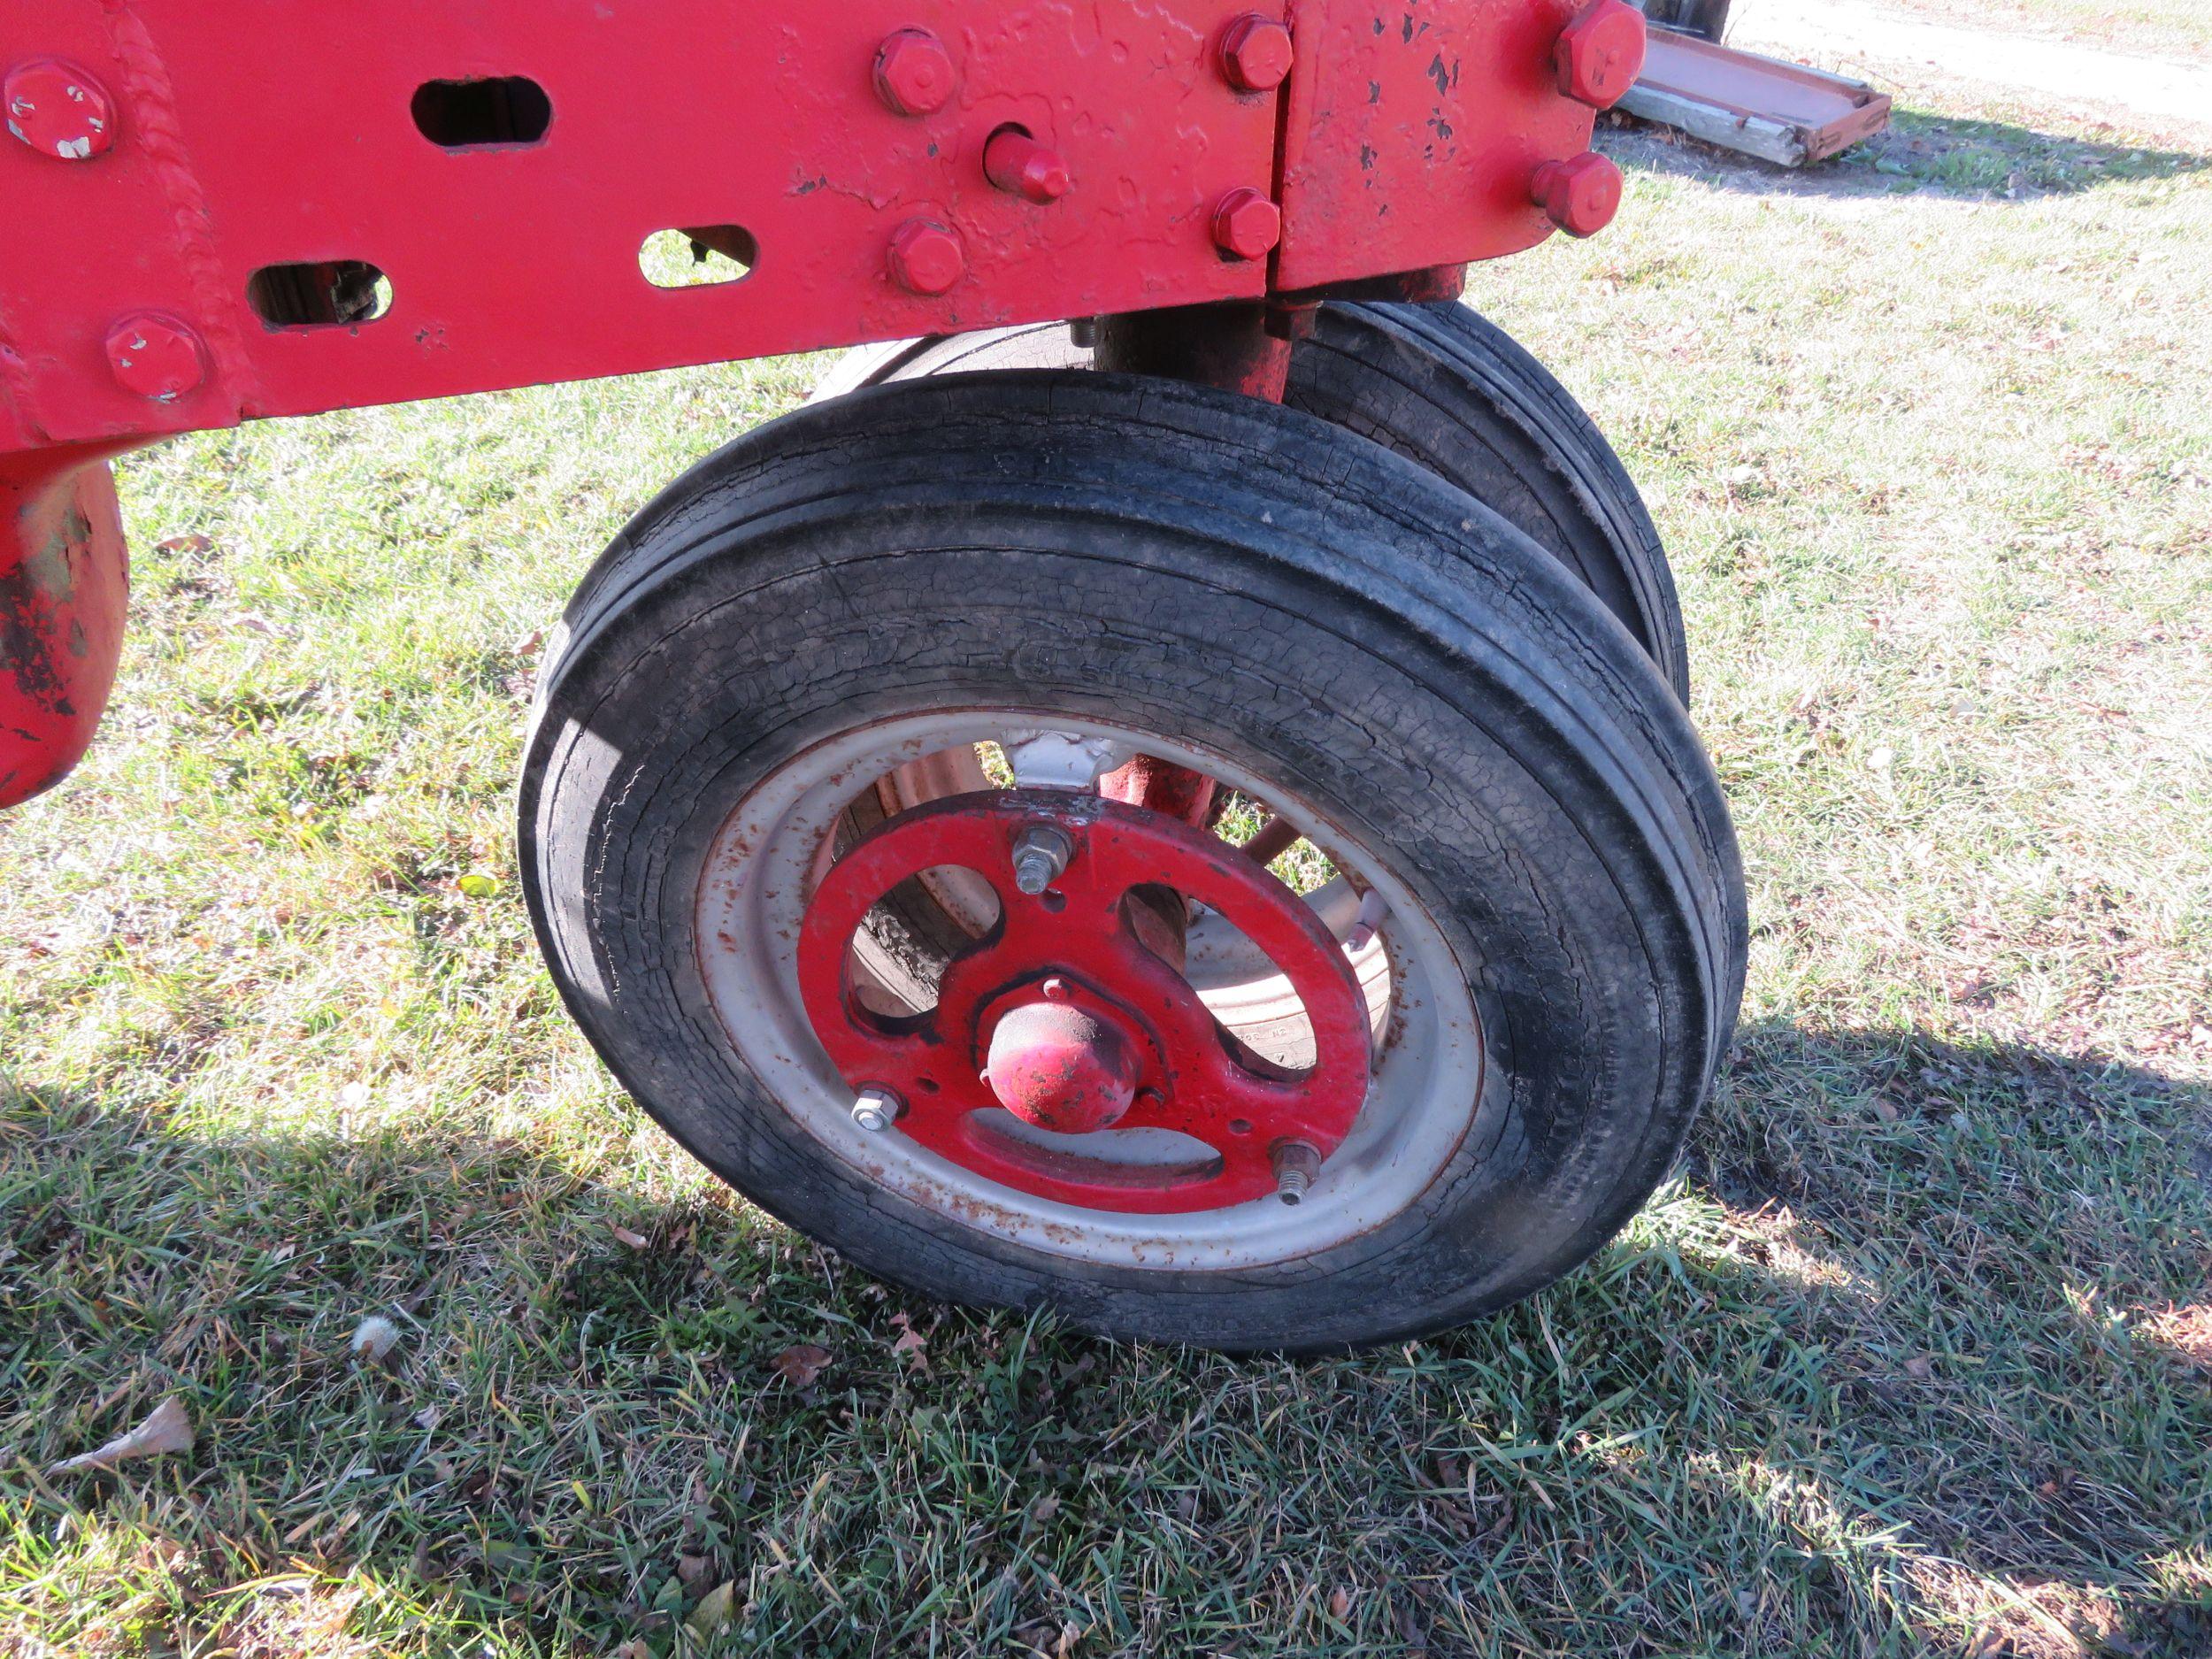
<point x="2159" y="28"/>
<point x="1915" y="1357"/>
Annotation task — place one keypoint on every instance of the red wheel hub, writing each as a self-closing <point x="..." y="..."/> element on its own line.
<point x="1062" y="1068"/>
<point x="1062" y="1017"/>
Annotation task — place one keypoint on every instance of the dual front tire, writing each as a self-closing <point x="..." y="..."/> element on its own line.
<point x="1441" y="704"/>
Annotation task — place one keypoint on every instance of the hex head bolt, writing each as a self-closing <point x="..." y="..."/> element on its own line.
<point x="1600" y="53"/>
<point x="1019" y="164"/>
<point x="1255" y="54"/>
<point x="1041" y="853"/>
<point x="58" y="109"/>
<point x="1296" y="1167"/>
<point x="154" y="355"/>
<point x="925" y="256"/>
<point x="877" y="1109"/>
<point x="1247" y="224"/>
<point x="1581" y="194"/>
<point x="914" y="74"/>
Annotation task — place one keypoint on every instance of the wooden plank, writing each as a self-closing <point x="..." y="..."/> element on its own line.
<point x="1782" y="113"/>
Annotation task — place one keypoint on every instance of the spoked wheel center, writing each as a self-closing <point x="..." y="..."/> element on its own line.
<point x="1065" y="1026"/>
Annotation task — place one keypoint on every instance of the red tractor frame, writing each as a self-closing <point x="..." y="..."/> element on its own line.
<point x="217" y="211"/>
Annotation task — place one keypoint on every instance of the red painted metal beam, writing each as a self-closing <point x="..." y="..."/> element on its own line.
<point x="221" y="209"/>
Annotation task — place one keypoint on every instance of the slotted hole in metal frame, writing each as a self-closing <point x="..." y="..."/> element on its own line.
<point x="698" y="255"/>
<point x="487" y="112"/>
<point x="318" y="294"/>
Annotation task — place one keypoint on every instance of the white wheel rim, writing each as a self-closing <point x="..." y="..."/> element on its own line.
<point x="1423" y="1091"/>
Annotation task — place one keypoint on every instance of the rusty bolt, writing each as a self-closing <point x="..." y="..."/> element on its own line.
<point x="1040" y="856"/>
<point x="58" y="109"/>
<point x="914" y="72"/>
<point x="926" y="257"/>
<point x="1245" y="224"/>
<point x="1019" y="164"/>
<point x="1580" y="195"/>
<point x="154" y="355"/>
<point x="1256" y="53"/>
<point x="1296" y="1164"/>
<point x="1600" y="53"/>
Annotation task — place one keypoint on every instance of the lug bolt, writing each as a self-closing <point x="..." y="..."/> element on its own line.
<point x="1245" y="224"/>
<point x="877" y="1109"/>
<point x="1040" y="856"/>
<point x="1600" y="53"/>
<point x="1255" y="54"/>
<point x="154" y="355"/>
<point x="58" y="109"/>
<point x="1580" y="196"/>
<point x="1297" y="1165"/>
<point x="1019" y="166"/>
<point x="914" y="73"/>
<point x="926" y="257"/>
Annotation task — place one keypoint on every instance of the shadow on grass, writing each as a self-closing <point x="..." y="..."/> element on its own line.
<point x="1886" y="1372"/>
<point x="1956" y="156"/>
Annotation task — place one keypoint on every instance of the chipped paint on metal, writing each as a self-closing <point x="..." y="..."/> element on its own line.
<point x="64" y="578"/>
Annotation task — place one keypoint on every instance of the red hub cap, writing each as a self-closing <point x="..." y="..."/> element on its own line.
<point x="1061" y="1015"/>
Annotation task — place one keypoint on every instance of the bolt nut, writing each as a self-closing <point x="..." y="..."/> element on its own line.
<point x="58" y="109"/>
<point x="155" y="356"/>
<point x="1247" y="224"/>
<point x="1019" y="164"/>
<point x="1256" y="53"/>
<point x="1296" y="1166"/>
<point x="926" y="257"/>
<point x="1039" y="855"/>
<point x="1600" y="54"/>
<point x="1580" y="196"/>
<point x="877" y="1109"/>
<point x="914" y="73"/>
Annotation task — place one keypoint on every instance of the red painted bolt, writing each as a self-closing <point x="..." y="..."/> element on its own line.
<point x="925" y="256"/>
<point x="1245" y="224"/>
<point x="1255" y="54"/>
<point x="1019" y="164"/>
<point x="914" y="72"/>
<point x="155" y="356"/>
<point x="58" y="109"/>
<point x="1600" y="53"/>
<point x="1580" y="195"/>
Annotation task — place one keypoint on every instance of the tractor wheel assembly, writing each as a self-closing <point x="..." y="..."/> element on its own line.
<point x="994" y="649"/>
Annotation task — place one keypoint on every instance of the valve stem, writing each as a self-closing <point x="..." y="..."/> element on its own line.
<point x="1296" y="1164"/>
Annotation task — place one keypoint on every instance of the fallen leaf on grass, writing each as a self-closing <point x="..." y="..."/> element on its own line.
<point x="1339" y="1603"/>
<point x="166" y="1429"/>
<point x="1920" y="1366"/>
<point x="691" y="1569"/>
<point x="186" y="545"/>
<point x="910" y="1341"/>
<point x="799" y="1365"/>
<point x="713" y="1611"/>
<point x="623" y="1235"/>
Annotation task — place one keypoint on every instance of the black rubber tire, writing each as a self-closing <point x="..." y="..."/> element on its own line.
<point x="1251" y="580"/>
<point x="1441" y="385"/>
